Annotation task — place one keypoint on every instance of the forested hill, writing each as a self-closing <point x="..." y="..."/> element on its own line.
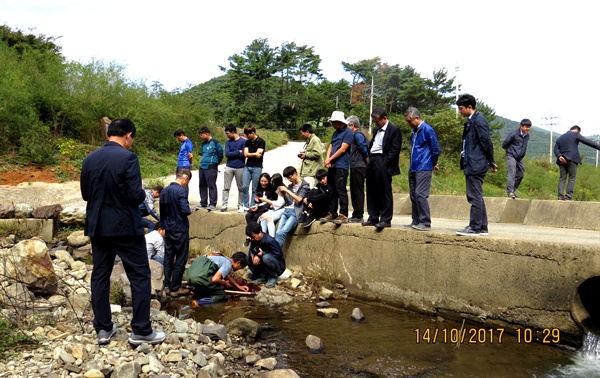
<point x="539" y="141"/>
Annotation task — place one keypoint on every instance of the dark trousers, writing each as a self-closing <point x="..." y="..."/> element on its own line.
<point x="380" y="203"/>
<point x="569" y="169"/>
<point x="177" y="246"/>
<point x="478" y="213"/>
<point x="148" y="224"/>
<point x="208" y="185"/>
<point x="357" y="191"/>
<point x="320" y="204"/>
<point x="336" y="182"/>
<point x="269" y="267"/>
<point x="515" y="170"/>
<point x="132" y="251"/>
<point x="419" y="186"/>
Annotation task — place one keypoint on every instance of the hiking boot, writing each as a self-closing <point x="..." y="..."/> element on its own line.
<point x="355" y="220"/>
<point x="153" y="338"/>
<point x="309" y="220"/>
<point x="271" y="282"/>
<point x="105" y="336"/>
<point x="341" y="219"/>
<point x="327" y="218"/>
<point x="180" y="292"/>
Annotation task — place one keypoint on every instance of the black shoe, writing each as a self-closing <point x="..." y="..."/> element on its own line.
<point x="484" y="232"/>
<point x="468" y="231"/>
<point x="383" y="225"/>
<point x="309" y="220"/>
<point x="355" y="220"/>
<point x="247" y="242"/>
<point x="368" y="223"/>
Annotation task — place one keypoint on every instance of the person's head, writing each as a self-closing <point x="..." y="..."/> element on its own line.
<point x="575" y="129"/>
<point x="240" y="260"/>
<point x="205" y="133"/>
<point x="276" y="181"/>
<point x="412" y="116"/>
<point x="231" y="132"/>
<point x="264" y="180"/>
<point x="379" y="117"/>
<point x="466" y="105"/>
<point x="122" y="131"/>
<point x="254" y="232"/>
<point x="353" y="123"/>
<point x="337" y="120"/>
<point x="158" y="227"/>
<point x="180" y="135"/>
<point x="306" y="131"/>
<point x="321" y="176"/>
<point x="525" y="126"/>
<point x="291" y="174"/>
<point x="183" y="177"/>
<point x="250" y="132"/>
<point x="156" y="191"/>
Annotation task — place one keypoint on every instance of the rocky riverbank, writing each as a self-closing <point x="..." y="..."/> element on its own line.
<point x="46" y="294"/>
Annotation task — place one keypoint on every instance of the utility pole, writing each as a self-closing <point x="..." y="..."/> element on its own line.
<point x="371" y="106"/>
<point x="457" y="87"/>
<point x="550" y="122"/>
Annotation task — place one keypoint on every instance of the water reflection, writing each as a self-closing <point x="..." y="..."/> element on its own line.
<point x="385" y="344"/>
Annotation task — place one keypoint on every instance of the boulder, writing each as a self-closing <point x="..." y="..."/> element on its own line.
<point x="72" y="216"/>
<point x="77" y="239"/>
<point x="280" y="373"/>
<point x="215" y="331"/>
<point x="16" y="296"/>
<point x="314" y="344"/>
<point x="29" y="262"/>
<point x="266" y="363"/>
<point x="244" y="327"/>
<point x="7" y="210"/>
<point x="47" y="212"/>
<point x="23" y="210"/>
<point x="273" y="297"/>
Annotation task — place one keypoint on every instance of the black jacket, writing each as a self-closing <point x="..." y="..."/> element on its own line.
<point x="478" y="149"/>
<point x="392" y="143"/>
<point x="567" y="145"/>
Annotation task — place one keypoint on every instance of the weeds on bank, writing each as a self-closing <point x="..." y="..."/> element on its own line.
<point x="12" y="338"/>
<point x="17" y="227"/>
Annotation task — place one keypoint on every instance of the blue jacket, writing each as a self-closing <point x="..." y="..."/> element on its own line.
<point x="359" y="151"/>
<point x="212" y="153"/>
<point x="478" y="149"/>
<point x="111" y="184"/>
<point x="174" y="208"/>
<point x="567" y="145"/>
<point x="425" y="150"/>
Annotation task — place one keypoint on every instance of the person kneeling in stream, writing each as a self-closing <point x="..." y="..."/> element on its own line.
<point x="210" y="276"/>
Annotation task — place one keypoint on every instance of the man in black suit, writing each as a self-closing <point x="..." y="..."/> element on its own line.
<point x="111" y="184"/>
<point x="384" y="157"/>
<point x="566" y="150"/>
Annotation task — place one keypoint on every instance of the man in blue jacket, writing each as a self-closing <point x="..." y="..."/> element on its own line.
<point x="234" y="152"/>
<point x="111" y="184"/>
<point x="212" y="155"/>
<point x="515" y="145"/>
<point x="174" y="212"/>
<point x="477" y="157"/>
<point x="424" y="154"/>
<point x="566" y="150"/>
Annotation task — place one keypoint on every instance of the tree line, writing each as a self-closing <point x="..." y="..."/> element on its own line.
<point x="46" y="99"/>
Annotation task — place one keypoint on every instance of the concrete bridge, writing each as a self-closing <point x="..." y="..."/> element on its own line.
<point x="524" y="274"/>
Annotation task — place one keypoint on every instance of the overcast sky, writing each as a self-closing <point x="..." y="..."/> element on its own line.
<point x="525" y="58"/>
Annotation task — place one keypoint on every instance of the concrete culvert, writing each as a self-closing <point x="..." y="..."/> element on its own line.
<point x="585" y="306"/>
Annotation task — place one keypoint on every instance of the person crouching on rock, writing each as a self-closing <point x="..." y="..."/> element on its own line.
<point x="265" y="258"/>
<point x="210" y="276"/>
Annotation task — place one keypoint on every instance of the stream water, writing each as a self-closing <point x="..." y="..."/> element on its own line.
<point x="393" y="343"/>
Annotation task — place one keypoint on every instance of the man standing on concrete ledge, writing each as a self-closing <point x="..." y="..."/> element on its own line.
<point x="359" y="158"/>
<point x="186" y="155"/>
<point x="234" y="168"/>
<point x="424" y="154"/>
<point x="566" y="150"/>
<point x="111" y="184"/>
<point x="384" y="157"/>
<point x="476" y="158"/>
<point x="515" y="145"/>
<point x="212" y="155"/>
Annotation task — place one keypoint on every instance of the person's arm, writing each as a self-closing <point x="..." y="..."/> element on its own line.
<point x="184" y="204"/>
<point x="508" y="141"/>
<point x="435" y="147"/>
<point x="588" y="142"/>
<point x="219" y="147"/>
<point x="314" y="149"/>
<point x="338" y="153"/>
<point x="361" y="145"/>
<point x="230" y="150"/>
<point x="134" y="192"/>
<point x="235" y="284"/>
<point x="218" y="279"/>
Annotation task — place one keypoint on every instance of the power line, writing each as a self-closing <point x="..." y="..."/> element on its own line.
<point x="550" y="122"/>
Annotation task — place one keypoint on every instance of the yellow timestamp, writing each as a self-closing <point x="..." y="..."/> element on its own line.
<point x="544" y="336"/>
<point x="456" y="335"/>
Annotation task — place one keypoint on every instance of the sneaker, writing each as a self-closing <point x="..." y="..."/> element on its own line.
<point x="420" y="227"/>
<point x="327" y="218"/>
<point x="341" y="219"/>
<point x="368" y="223"/>
<point x="484" y="232"/>
<point x="105" y="336"/>
<point x="247" y="242"/>
<point x="468" y="231"/>
<point x="271" y="282"/>
<point x="199" y="207"/>
<point x="211" y="208"/>
<point x="179" y="292"/>
<point x="223" y="209"/>
<point x="381" y="225"/>
<point x="242" y="209"/>
<point x="512" y="195"/>
<point x="259" y="280"/>
<point x="355" y="220"/>
<point x="409" y="225"/>
<point x="153" y="338"/>
<point x="309" y="220"/>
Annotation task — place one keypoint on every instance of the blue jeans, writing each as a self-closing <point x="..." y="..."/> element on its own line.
<point x="287" y="222"/>
<point x="269" y="226"/>
<point x="250" y="174"/>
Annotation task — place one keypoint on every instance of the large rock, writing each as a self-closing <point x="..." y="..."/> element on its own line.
<point x="29" y="262"/>
<point x="78" y="239"/>
<point x="215" y="331"/>
<point x="244" y="327"/>
<point x="72" y="216"/>
<point x="7" y="210"/>
<point x="280" y="373"/>
<point x="156" y="279"/>
<point x="273" y="297"/>
<point x="16" y="296"/>
<point x="47" y="212"/>
<point x="314" y="344"/>
<point x="23" y="210"/>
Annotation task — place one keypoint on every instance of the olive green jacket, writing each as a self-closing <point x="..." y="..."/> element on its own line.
<point x="313" y="160"/>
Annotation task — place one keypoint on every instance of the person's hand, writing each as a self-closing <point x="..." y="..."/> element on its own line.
<point x="226" y="284"/>
<point x="283" y="189"/>
<point x="256" y="260"/>
<point x="436" y="168"/>
<point x="327" y="163"/>
<point x="562" y="160"/>
<point x="244" y="288"/>
<point x="257" y="199"/>
<point x="494" y="168"/>
<point x="310" y="206"/>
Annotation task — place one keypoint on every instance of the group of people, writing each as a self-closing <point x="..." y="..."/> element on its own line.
<point x="117" y="201"/>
